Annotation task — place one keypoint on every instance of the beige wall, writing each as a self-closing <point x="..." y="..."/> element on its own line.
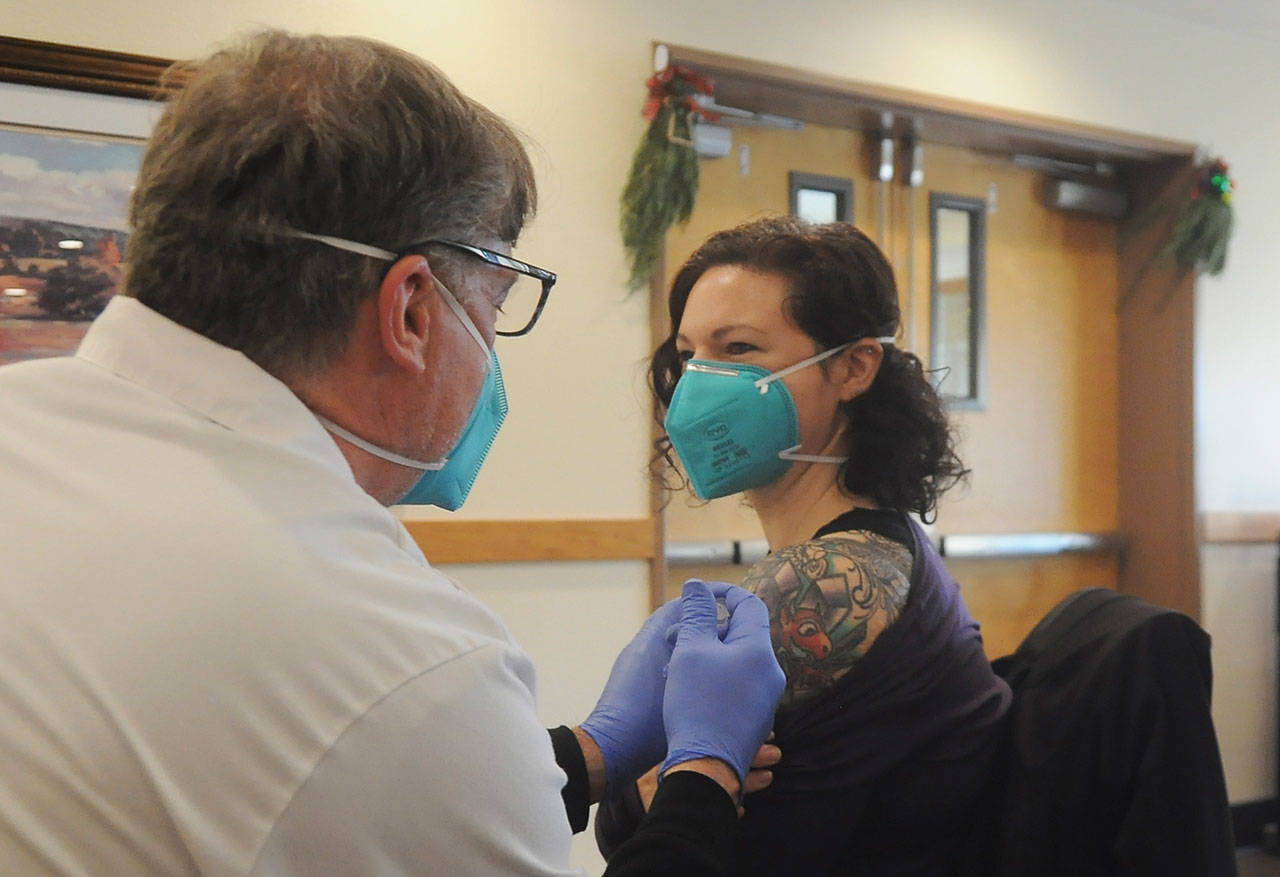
<point x="571" y="73"/>
<point x="1240" y="612"/>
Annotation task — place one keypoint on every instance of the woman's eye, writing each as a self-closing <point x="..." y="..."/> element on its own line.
<point x="737" y="348"/>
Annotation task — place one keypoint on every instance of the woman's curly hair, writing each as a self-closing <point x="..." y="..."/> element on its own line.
<point x="902" y="450"/>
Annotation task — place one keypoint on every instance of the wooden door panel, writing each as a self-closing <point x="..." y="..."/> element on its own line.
<point x="1008" y="596"/>
<point x="1044" y="451"/>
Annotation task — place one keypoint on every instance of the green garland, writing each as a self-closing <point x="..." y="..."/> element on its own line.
<point x="1200" y="224"/>
<point x="1202" y="231"/>
<point x="663" y="183"/>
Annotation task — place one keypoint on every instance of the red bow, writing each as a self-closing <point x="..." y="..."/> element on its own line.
<point x="682" y="84"/>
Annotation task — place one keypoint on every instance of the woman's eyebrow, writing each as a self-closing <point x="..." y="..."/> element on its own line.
<point x="723" y="330"/>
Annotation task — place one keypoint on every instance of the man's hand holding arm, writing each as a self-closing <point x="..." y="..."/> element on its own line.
<point x="624" y="733"/>
<point x="721" y="694"/>
<point x="718" y="708"/>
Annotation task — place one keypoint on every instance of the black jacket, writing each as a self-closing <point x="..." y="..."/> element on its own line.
<point x="1112" y="765"/>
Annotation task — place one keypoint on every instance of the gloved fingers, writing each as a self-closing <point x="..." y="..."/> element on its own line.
<point x="748" y="619"/>
<point x="698" y="610"/>
<point x="673" y="619"/>
<point x="729" y="595"/>
<point x="733" y="597"/>
<point x="718" y="589"/>
<point x="664" y="616"/>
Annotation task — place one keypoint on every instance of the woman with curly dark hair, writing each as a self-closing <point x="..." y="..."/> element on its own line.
<point x="781" y="380"/>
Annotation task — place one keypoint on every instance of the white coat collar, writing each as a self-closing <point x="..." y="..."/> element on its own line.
<point x="150" y="350"/>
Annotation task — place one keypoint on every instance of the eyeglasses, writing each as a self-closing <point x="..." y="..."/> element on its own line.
<point x="523" y="303"/>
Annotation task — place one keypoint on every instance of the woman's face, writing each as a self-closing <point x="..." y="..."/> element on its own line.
<point x="736" y="315"/>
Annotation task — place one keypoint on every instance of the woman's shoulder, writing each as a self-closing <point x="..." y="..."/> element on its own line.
<point x="829" y="598"/>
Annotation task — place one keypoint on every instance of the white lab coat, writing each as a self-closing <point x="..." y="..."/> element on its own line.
<point x="218" y="654"/>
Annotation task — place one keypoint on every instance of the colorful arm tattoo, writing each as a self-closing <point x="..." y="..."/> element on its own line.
<point x="828" y="600"/>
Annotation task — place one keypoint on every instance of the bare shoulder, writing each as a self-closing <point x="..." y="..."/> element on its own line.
<point x="829" y="599"/>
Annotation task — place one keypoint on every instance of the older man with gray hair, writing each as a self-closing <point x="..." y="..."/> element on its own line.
<point x="221" y="652"/>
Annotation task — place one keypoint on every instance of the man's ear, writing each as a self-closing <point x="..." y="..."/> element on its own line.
<point x="859" y="364"/>
<point x="404" y="318"/>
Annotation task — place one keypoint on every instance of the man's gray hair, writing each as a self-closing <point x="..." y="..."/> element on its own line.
<point x="333" y="135"/>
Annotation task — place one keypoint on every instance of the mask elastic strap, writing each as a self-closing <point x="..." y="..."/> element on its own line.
<point x="790" y="454"/>
<point x="389" y="456"/>
<point x="764" y="382"/>
<point x="341" y="244"/>
<point x="463" y="317"/>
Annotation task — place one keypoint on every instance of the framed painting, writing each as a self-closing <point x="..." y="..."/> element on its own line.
<point x="72" y="127"/>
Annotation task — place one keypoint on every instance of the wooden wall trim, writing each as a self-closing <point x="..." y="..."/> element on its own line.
<point x="523" y="541"/>
<point x="1239" y="527"/>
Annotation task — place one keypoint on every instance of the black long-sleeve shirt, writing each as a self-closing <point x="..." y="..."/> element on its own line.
<point x="689" y="829"/>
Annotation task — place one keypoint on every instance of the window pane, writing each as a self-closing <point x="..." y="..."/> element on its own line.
<point x="817" y="205"/>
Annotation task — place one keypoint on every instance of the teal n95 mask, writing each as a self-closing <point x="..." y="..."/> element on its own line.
<point x="735" y="426"/>
<point x="444" y="483"/>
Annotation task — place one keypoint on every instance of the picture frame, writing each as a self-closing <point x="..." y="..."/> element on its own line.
<point x="82" y="69"/>
<point x="73" y="122"/>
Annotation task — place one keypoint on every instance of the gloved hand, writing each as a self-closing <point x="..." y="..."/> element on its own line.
<point x="627" y="720"/>
<point x="720" y="696"/>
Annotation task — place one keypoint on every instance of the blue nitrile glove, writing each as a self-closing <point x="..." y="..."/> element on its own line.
<point x="718" y="590"/>
<point x="720" y="696"/>
<point x="627" y="720"/>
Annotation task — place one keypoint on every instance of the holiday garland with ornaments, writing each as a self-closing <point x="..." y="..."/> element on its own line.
<point x="1200" y="234"/>
<point x="663" y="182"/>
<point x="1199" y="221"/>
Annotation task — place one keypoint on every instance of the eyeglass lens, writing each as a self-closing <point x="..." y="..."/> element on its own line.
<point x="517" y="311"/>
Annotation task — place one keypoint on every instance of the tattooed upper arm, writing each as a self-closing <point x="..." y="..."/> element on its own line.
<point x="828" y="600"/>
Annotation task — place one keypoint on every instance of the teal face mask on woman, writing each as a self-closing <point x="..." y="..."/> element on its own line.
<point x="735" y="425"/>
<point x="444" y="483"/>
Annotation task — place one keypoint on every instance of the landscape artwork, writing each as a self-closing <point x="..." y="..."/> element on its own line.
<point x="63" y="205"/>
